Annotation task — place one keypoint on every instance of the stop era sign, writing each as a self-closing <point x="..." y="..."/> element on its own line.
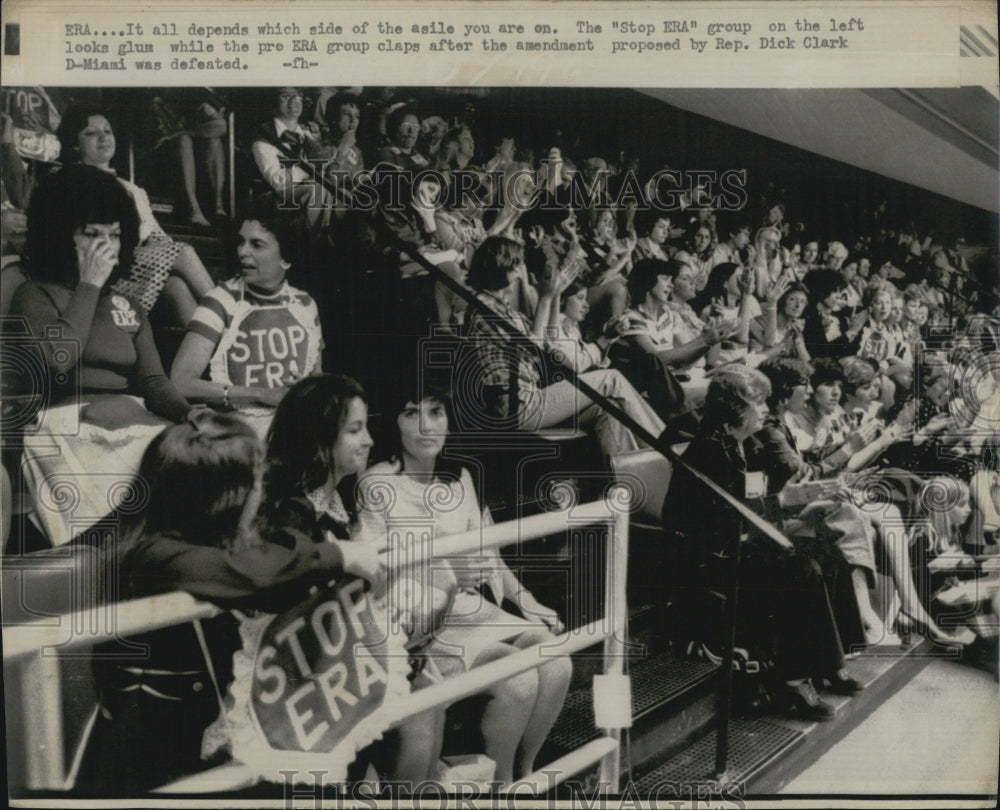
<point x="316" y="684"/>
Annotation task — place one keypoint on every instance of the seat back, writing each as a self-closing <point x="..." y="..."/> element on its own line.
<point x="47" y="586"/>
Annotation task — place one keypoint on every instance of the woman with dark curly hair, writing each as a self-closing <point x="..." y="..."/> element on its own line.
<point x="159" y="263"/>
<point x="254" y="335"/>
<point x="97" y="345"/>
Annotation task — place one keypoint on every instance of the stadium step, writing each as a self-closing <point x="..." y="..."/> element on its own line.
<point x="766" y="752"/>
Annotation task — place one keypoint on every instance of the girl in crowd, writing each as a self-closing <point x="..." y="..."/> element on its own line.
<point x="866" y="395"/>
<point x="826" y="332"/>
<point x="254" y="335"/>
<point x="806" y="640"/>
<point x="285" y="135"/>
<point x="767" y="264"/>
<point x="943" y="508"/>
<point x="97" y="346"/>
<point x="159" y="263"/>
<point x="653" y="228"/>
<point x="699" y="251"/>
<point x="609" y="261"/>
<point x="496" y="268"/>
<point x="778" y="332"/>
<point x="426" y="486"/>
<point x="156" y="701"/>
<point x="195" y="116"/>
<point x="569" y="343"/>
<point x="735" y="248"/>
<point x="880" y="339"/>
<point x="318" y="446"/>
<point x="728" y="296"/>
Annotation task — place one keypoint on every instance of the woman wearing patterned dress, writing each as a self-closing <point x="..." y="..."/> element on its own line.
<point x="160" y="263"/>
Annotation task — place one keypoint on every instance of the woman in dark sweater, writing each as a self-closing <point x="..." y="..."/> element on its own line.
<point x="774" y="582"/>
<point x="82" y="231"/>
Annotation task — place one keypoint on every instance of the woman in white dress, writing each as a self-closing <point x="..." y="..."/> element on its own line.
<point x="419" y="495"/>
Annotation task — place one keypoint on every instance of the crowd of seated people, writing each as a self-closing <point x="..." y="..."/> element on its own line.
<point x="860" y="385"/>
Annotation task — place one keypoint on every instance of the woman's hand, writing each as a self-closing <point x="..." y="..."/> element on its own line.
<point x="614" y="328"/>
<point x="362" y="560"/>
<point x="96" y="260"/>
<point x="471" y="572"/>
<point x="533" y="609"/>
<point x="861" y="437"/>
<point x="777" y="289"/>
<point x="270" y="396"/>
<point x="808" y="491"/>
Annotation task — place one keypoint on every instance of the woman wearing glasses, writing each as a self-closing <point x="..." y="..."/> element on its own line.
<point x="281" y="137"/>
<point x="402" y="127"/>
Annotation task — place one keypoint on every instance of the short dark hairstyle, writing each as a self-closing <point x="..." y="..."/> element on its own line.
<point x="785" y="374"/>
<point x="305" y="428"/>
<point x="826" y="370"/>
<point x="715" y="287"/>
<point x="72" y="198"/>
<point x="571" y="290"/>
<point x="397" y="116"/>
<point x="823" y="282"/>
<point x="492" y="261"/>
<point x="73" y="122"/>
<point x="643" y="278"/>
<point x="288" y="225"/>
<point x="416" y="384"/>
<point x="341" y="99"/>
<point x="646" y="218"/>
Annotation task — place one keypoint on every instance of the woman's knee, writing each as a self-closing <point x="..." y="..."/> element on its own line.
<point x="557" y="672"/>
<point x="521" y="689"/>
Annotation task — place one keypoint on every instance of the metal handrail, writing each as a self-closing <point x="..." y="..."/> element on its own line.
<point x="40" y="673"/>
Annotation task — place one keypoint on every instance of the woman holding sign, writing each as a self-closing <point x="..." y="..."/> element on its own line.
<point x="418" y="485"/>
<point x="254" y="335"/>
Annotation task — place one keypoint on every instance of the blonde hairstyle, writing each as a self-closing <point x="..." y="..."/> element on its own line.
<point x="935" y="501"/>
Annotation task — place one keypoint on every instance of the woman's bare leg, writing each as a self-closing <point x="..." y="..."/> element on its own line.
<point x="419" y="747"/>
<point x="185" y="150"/>
<point x="180" y="302"/>
<point x="507" y="714"/>
<point x="189" y="268"/>
<point x="553" y="683"/>
<point x="872" y="624"/>
<point x="897" y="546"/>
<point x="215" y="160"/>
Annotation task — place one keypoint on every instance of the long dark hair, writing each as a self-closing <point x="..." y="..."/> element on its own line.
<point x="417" y="388"/>
<point x="72" y="198"/>
<point x="194" y="481"/>
<point x="715" y="287"/>
<point x="305" y="428"/>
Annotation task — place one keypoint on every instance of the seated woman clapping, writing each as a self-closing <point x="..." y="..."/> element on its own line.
<point x="254" y="335"/>
<point x="496" y="268"/>
<point x="420" y="491"/>
<point x="788" y="586"/>
<point x="666" y="337"/>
